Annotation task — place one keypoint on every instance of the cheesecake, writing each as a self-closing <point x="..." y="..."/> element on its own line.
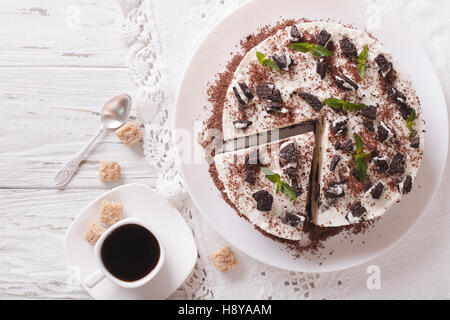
<point x="368" y="142"/>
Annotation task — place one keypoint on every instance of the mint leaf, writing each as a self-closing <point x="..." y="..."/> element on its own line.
<point x="360" y="158"/>
<point x="271" y="63"/>
<point x="320" y="51"/>
<point x="410" y="123"/>
<point x="279" y="187"/>
<point x="302" y="47"/>
<point x="266" y="62"/>
<point x="359" y="143"/>
<point x="315" y="49"/>
<point x="272" y="176"/>
<point x="362" y="61"/>
<point x="362" y="70"/>
<point x="361" y="167"/>
<point x="261" y="57"/>
<point x="334" y="103"/>
<point x="344" y="105"/>
<point x="287" y="190"/>
<point x="282" y="186"/>
<point x="354" y="107"/>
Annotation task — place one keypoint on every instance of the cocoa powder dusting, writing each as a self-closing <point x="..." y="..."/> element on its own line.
<point x="217" y="92"/>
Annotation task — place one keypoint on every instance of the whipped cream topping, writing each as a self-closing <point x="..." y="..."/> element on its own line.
<point x="303" y="76"/>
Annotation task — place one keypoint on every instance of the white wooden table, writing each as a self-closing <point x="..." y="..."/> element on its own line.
<point x="56" y="74"/>
<point x="59" y="62"/>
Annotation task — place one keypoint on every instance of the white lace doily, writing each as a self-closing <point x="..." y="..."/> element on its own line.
<point x="162" y="35"/>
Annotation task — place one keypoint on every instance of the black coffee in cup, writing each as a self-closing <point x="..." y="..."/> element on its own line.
<point x="130" y="252"/>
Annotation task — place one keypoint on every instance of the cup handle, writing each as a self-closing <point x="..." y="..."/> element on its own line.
<point x="92" y="280"/>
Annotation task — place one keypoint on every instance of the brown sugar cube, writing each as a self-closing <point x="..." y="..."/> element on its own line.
<point x="224" y="259"/>
<point x="129" y="133"/>
<point x="110" y="212"/>
<point x="94" y="232"/>
<point x="109" y="171"/>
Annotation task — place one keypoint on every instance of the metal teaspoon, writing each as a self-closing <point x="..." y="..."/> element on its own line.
<point x="114" y="114"/>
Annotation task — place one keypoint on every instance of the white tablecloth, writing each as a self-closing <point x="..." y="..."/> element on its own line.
<point x="162" y="35"/>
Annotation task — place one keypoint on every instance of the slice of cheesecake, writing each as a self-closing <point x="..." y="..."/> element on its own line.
<point x="250" y="176"/>
<point x="342" y="194"/>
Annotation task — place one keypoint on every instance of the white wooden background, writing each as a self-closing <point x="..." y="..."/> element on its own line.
<point x="54" y="79"/>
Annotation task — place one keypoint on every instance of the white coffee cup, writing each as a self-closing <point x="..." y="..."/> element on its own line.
<point x="93" y="279"/>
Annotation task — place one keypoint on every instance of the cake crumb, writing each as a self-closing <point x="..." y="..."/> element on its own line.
<point x="129" y="133"/>
<point x="94" y="232"/>
<point x="109" y="171"/>
<point x="110" y="212"/>
<point x="224" y="259"/>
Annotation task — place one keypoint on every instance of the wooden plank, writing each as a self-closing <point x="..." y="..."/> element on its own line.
<point x="33" y="224"/>
<point x="47" y="119"/>
<point x="61" y="33"/>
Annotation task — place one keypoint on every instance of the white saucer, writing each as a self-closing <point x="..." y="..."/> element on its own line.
<point x="141" y="202"/>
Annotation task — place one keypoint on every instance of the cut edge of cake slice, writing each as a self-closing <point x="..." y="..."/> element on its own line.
<point x="252" y="191"/>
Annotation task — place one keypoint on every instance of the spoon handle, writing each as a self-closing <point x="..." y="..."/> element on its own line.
<point x="64" y="175"/>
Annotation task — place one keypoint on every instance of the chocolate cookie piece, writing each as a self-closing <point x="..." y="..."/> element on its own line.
<point x="384" y="133"/>
<point x="330" y="46"/>
<point x="293" y="219"/>
<point x="312" y="100"/>
<point x="405" y="110"/>
<point x="355" y="174"/>
<point x="297" y="189"/>
<point x="275" y="96"/>
<point x="370" y="112"/>
<point x="357" y="209"/>
<point x="284" y="62"/>
<point x="246" y="90"/>
<point x="242" y="124"/>
<point x="339" y="126"/>
<point x="406" y="185"/>
<point x="250" y="176"/>
<point x="264" y="200"/>
<point x="296" y="35"/>
<point x="242" y="101"/>
<point x="347" y="146"/>
<point x="369" y="125"/>
<point x="356" y="212"/>
<point x="382" y="164"/>
<point x="265" y="90"/>
<point x="348" y="48"/>
<point x="335" y="190"/>
<point x="291" y="172"/>
<point x="368" y="186"/>
<point x="396" y="95"/>
<point x="415" y="142"/>
<point x="338" y="146"/>
<point x="289" y="153"/>
<point x="322" y="67"/>
<point x="384" y="65"/>
<point x="397" y="164"/>
<point x="345" y="83"/>
<point x="377" y="191"/>
<point x="334" y="162"/>
<point x="322" y="38"/>
<point x="272" y="106"/>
